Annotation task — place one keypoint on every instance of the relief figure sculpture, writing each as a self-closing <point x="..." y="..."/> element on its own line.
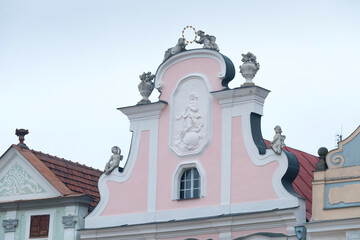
<point x="192" y="125"/>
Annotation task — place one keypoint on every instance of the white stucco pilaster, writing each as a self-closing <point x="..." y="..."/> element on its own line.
<point x="146" y="117"/>
<point x="10" y="215"/>
<point x="70" y="233"/>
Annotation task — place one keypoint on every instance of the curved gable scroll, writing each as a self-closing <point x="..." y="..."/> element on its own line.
<point x="227" y="69"/>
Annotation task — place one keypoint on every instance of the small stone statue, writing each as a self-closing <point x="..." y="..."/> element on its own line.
<point x="207" y="40"/>
<point x="146" y="87"/>
<point x="278" y="143"/>
<point x="180" y="46"/>
<point x="249" y="68"/>
<point x="114" y="160"/>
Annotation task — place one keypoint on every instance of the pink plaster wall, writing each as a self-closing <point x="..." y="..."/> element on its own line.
<point x="248" y="181"/>
<point x="210" y="159"/>
<point x="131" y="196"/>
<point x="249" y="232"/>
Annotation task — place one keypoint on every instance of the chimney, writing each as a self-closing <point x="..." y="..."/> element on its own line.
<point x="21" y="134"/>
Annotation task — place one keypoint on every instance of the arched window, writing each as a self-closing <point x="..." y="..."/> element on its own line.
<point x="190" y="184"/>
<point x="189" y="181"/>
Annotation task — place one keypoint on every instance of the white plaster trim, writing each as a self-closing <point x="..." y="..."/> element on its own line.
<point x="176" y="178"/>
<point x="226" y="156"/>
<point x="190" y="213"/>
<point x="270" y="156"/>
<point x="13" y="157"/>
<point x="216" y="225"/>
<point x="331" y="227"/>
<point x="28" y="215"/>
<point x="340" y="149"/>
<point x="185" y="78"/>
<point x="242" y="102"/>
<point x="142" y="118"/>
<point x="10" y="215"/>
<point x="198" y="53"/>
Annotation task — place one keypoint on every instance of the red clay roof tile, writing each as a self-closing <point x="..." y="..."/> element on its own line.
<point x="77" y="177"/>
<point x="303" y="182"/>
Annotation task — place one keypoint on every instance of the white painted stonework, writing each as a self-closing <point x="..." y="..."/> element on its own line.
<point x="190" y="118"/>
<point x="196" y="124"/>
<point x="21" y="181"/>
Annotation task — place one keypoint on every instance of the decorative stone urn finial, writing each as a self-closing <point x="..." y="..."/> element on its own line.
<point x="21" y="134"/>
<point x="249" y="68"/>
<point x="278" y="142"/>
<point x="146" y="87"/>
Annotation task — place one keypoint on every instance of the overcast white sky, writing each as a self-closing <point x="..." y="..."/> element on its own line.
<point x="65" y="66"/>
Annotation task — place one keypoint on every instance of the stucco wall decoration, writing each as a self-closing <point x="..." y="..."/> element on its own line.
<point x="190" y="120"/>
<point x="336" y="186"/>
<point x="346" y="160"/>
<point x="17" y="182"/>
<point x="348" y="152"/>
<point x="198" y="167"/>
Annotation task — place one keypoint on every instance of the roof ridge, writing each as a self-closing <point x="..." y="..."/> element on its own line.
<point x="67" y="161"/>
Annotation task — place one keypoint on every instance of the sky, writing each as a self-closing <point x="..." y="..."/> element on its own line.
<point x="65" y="66"/>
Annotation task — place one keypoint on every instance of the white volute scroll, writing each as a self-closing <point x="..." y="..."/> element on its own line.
<point x="190" y="120"/>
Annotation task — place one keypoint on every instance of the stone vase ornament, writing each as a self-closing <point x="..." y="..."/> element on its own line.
<point x="249" y="68"/>
<point x="146" y="87"/>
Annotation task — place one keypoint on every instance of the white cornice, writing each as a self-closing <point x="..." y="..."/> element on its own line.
<point x="143" y="111"/>
<point x="333" y="225"/>
<point x="213" y="225"/>
<point x="227" y="98"/>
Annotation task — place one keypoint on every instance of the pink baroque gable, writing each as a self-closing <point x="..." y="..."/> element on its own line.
<point x="201" y="127"/>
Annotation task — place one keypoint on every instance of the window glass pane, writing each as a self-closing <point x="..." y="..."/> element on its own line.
<point x="196" y="183"/>
<point x="182" y="194"/>
<point x="188" y="184"/>
<point x="196" y="173"/>
<point x="183" y="176"/>
<point x="188" y="174"/>
<point x="188" y="193"/>
<point x="196" y="193"/>
<point x="182" y="185"/>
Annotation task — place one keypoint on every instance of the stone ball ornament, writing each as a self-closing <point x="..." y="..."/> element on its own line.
<point x="323" y="151"/>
